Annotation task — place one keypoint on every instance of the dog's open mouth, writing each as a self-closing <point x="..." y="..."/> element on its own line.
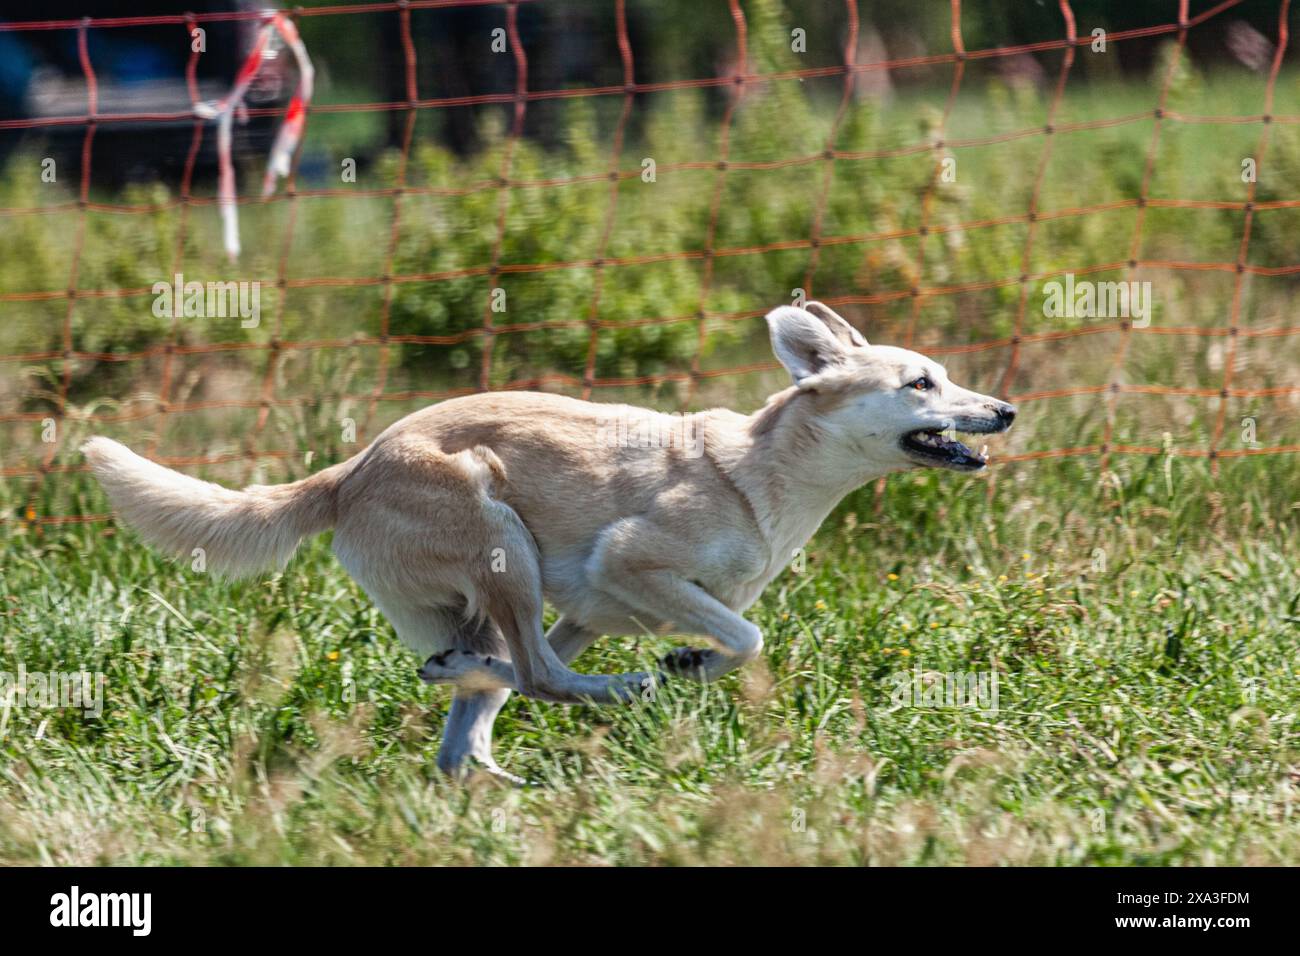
<point x="930" y="447"/>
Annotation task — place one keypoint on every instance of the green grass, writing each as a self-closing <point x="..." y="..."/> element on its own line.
<point x="1143" y="633"/>
<point x="1142" y="625"/>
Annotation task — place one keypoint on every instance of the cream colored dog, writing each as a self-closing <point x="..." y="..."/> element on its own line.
<point x="460" y="518"/>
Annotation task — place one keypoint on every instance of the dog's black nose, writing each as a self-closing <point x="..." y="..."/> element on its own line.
<point x="1006" y="411"/>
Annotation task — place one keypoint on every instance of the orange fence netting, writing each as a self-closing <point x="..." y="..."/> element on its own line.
<point x="739" y="76"/>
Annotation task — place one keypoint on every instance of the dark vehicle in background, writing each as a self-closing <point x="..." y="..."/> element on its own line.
<point x="568" y="44"/>
<point x="140" y="72"/>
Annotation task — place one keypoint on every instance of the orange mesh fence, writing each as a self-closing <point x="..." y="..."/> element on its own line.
<point x="735" y="79"/>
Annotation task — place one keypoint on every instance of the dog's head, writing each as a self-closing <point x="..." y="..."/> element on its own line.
<point x="887" y="405"/>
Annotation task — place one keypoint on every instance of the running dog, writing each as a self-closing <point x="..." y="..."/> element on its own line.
<point x="460" y="519"/>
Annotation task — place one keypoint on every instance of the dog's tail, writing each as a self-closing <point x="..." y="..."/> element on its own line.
<point x="240" y="532"/>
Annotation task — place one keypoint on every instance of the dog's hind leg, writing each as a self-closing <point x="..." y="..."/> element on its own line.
<point x="468" y="734"/>
<point x="557" y="684"/>
<point x="509" y="590"/>
<point x="434" y="532"/>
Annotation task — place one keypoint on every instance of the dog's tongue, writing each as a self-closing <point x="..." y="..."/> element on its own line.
<point x="952" y="445"/>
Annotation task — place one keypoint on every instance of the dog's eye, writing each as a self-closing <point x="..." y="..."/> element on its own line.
<point x="921" y="384"/>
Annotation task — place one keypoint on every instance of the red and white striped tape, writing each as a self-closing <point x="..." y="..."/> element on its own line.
<point x="286" y="140"/>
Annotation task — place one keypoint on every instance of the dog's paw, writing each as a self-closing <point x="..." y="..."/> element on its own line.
<point x="438" y="669"/>
<point x="688" y="662"/>
<point x="486" y="769"/>
<point x="505" y="776"/>
<point x="463" y="669"/>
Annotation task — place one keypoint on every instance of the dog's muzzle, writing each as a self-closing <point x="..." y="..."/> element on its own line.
<point x="929" y="446"/>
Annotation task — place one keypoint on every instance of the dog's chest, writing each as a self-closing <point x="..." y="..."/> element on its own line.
<point x="740" y="591"/>
<point x="787" y="539"/>
<point x="739" y="596"/>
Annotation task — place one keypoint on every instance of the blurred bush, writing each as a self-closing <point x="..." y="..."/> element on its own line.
<point x="774" y="122"/>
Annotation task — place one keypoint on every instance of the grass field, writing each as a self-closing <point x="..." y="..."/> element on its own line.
<point x="1141" y="623"/>
<point x="1143" y="634"/>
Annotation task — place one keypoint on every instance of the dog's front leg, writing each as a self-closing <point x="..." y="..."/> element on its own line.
<point x="569" y="639"/>
<point x="668" y="596"/>
<point x="477" y="673"/>
<point x="473" y="672"/>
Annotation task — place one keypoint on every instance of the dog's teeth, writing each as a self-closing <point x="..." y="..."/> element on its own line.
<point x="984" y="452"/>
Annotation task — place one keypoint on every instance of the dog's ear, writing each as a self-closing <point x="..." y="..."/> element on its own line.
<point x="805" y="343"/>
<point x="841" y="329"/>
